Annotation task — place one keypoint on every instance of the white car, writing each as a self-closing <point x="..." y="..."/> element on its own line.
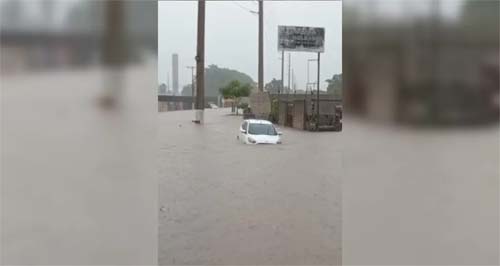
<point x="253" y="131"/>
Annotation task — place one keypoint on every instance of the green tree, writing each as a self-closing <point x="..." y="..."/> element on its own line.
<point x="234" y="90"/>
<point x="335" y="85"/>
<point x="216" y="77"/>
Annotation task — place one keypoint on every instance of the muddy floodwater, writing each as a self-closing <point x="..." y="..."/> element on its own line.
<point x="222" y="202"/>
<point x="396" y="194"/>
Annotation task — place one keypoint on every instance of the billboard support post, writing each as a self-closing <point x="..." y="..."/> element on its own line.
<point x="282" y="72"/>
<point x="288" y="86"/>
<point x="317" y="96"/>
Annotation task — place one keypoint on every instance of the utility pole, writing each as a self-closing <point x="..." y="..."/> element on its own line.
<point x="282" y="72"/>
<point x="200" y="64"/>
<point x="192" y="85"/>
<point x="289" y="63"/>
<point x="261" y="45"/>
<point x="317" y="97"/>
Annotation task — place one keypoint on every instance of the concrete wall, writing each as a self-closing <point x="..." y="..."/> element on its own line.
<point x="282" y="113"/>
<point x="301" y="108"/>
<point x="227" y="103"/>
<point x="162" y="106"/>
<point x="14" y="59"/>
<point x="325" y="107"/>
<point x="298" y="115"/>
<point x="260" y="102"/>
<point x="174" y="106"/>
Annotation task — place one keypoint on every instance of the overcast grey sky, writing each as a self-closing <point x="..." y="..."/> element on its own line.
<point x="231" y="37"/>
<point x="231" y="33"/>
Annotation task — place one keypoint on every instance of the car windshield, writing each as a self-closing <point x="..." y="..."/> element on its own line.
<point x="262" y="129"/>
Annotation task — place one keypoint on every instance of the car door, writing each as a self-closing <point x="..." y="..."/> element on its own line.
<point x="243" y="135"/>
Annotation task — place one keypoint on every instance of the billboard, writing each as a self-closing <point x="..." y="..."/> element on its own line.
<point x="305" y="39"/>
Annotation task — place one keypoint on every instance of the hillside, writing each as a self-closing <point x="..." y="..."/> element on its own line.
<point x="216" y="78"/>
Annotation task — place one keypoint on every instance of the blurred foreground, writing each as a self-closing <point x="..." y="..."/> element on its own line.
<point x="78" y="132"/>
<point x="414" y="195"/>
<point x="419" y="196"/>
<point x="78" y="181"/>
<point x="427" y="62"/>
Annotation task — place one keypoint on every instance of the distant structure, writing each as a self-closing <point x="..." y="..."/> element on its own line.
<point x="175" y="74"/>
<point x="162" y="90"/>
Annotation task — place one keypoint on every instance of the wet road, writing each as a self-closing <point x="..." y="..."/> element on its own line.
<point x="223" y="202"/>
<point x="423" y="196"/>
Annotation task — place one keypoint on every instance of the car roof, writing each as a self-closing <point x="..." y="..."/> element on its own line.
<point x="258" y="121"/>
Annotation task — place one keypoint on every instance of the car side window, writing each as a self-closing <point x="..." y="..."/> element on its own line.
<point x="244" y="126"/>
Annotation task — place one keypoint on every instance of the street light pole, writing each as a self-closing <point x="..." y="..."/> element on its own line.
<point x="308" y="81"/>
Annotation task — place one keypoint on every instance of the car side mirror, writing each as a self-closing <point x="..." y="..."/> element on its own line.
<point x="243" y="131"/>
<point x="280" y="133"/>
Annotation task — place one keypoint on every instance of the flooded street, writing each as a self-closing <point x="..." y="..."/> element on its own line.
<point x="223" y="202"/>
<point x="392" y="193"/>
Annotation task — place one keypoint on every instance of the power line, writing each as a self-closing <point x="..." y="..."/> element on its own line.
<point x="266" y="25"/>
<point x="245" y="8"/>
<point x="236" y="2"/>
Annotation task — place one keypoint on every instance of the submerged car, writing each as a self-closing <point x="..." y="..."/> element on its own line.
<point x="255" y="131"/>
